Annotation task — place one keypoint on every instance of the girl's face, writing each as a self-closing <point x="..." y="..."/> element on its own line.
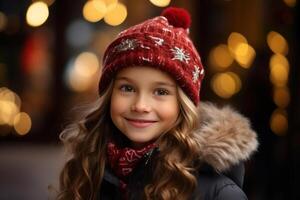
<point x="144" y="104"/>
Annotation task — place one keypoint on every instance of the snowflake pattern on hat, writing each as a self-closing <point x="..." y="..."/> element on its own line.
<point x="196" y="73"/>
<point x="180" y="54"/>
<point x="157" y="40"/>
<point x="128" y="44"/>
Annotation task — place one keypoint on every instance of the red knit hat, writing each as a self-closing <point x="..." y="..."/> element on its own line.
<point x="162" y="43"/>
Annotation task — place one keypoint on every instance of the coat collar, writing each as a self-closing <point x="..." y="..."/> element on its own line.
<point x="224" y="136"/>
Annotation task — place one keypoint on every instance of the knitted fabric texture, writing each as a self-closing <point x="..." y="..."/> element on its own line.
<point x="162" y="43"/>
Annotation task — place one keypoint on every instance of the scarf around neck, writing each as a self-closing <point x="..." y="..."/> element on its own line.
<point x="123" y="160"/>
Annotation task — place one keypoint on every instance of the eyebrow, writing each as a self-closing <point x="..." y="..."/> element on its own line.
<point x="161" y="83"/>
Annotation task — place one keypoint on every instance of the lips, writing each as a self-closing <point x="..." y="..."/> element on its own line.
<point x="140" y="123"/>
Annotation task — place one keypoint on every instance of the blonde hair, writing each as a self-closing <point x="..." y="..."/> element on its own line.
<point x="174" y="167"/>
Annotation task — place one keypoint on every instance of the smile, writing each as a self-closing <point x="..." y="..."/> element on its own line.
<point x="140" y="123"/>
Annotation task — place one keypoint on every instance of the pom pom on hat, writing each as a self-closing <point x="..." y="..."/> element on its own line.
<point x="177" y="17"/>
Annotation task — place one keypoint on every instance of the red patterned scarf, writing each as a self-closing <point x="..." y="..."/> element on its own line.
<point x="123" y="160"/>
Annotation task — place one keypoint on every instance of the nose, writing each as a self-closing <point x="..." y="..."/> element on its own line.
<point x="141" y="104"/>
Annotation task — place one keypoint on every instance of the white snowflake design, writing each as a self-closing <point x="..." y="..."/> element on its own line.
<point x="196" y="73"/>
<point x="128" y="44"/>
<point x="180" y="54"/>
<point x="157" y="40"/>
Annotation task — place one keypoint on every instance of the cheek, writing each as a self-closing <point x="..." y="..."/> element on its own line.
<point x="169" y="112"/>
<point x="116" y="106"/>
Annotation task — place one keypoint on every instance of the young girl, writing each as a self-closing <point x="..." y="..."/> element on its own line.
<point x="148" y="137"/>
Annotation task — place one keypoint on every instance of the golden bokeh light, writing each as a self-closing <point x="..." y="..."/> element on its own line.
<point x="78" y="83"/>
<point x="22" y="123"/>
<point x="117" y="15"/>
<point x="234" y="40"/>
<point x="225" y="84"/>
<point x="8" y="111"/>
<point x="10" y="104"/>
<point x="277" y="43"/>
<point x="86" y="64"/>
<point x="220" y="57"/>
<point x="279" y="70"/>
<point x="279" y="122"/>
<point x="37" y="14"/>
<point x="244" y="54"/>
<point x="160" y="3"/>
<point x="110" y="4"/>
<point x="94" y="10"/>
<point x="281" y="96"/>
<point x="290" y="3"/>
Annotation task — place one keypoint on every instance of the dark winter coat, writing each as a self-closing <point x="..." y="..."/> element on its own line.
<point x="226" y="140"/>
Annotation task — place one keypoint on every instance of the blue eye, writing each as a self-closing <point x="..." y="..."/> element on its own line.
<point x="161" y="92"/>
<point x="126" y="88"/>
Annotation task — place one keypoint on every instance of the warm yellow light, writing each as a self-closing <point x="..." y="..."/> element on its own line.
<point x="79" y="83"/>
<point x="279" y="70"/>
<point x="117" y="15"/>
<point x="237" y="81"/>
<point x="281" y="97"/>
<point x="110" y="4"/>
<point x="290" y="3"/>
<point x="279" y="122"/>
<point x="160" y="3"/>
<point x="220" y="57"/>
<point x="37" y="14"/>
<point x="94" y="10"/>
<point x="224" y="85"/>
<point x="277" y="43"/>
<point x="22" y="123"/>
<point x="8" y="111"/>
<point x="86" y="64"/>
<point x="234" y="40"/>
<point x="244" y="54"/>
<point x="8" y="95"/>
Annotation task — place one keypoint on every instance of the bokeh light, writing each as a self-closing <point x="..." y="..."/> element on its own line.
<point x="279" y="122"/>
<point x="244" y="55"/>
<point x="226" y="84"/>
<point x="220" y="57"/>
<point x="81" y="71"/>
<point x="117" y="15"/>
<point x="160" y="3"/>
<point x="277" y="43"/>
<point x="110" y="4"/>
<point x="22" y="123"/>
<point x="10" y="104"/>
<point x="281" y="96"/>
<point x="279" y="70"/>
<point x="234" y="40"/>
<point x="94" y="10"/>
<point x="37" y="14"/>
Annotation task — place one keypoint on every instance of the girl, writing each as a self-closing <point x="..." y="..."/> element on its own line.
<point x="148" y="137"/>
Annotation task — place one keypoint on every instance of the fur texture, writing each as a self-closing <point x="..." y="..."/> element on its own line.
<point x="225" y="137"/>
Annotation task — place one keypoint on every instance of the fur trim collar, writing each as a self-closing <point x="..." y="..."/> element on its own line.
<point x="224" y="136"/>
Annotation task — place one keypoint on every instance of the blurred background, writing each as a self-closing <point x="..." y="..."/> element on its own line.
<point x="50" y="61"/>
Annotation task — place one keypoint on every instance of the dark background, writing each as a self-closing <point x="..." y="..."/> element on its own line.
<point x="33" y="63"/>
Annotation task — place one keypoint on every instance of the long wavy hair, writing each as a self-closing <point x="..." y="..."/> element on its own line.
<point x="174" y="170"/>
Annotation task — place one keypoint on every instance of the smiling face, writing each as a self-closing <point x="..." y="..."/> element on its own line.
<point x="144" y="104"/>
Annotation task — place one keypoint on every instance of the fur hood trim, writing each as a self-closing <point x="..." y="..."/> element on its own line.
<point x="224" y="136"/>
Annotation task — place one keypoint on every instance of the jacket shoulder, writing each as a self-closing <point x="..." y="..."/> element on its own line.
<point x="218" y="187"/>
